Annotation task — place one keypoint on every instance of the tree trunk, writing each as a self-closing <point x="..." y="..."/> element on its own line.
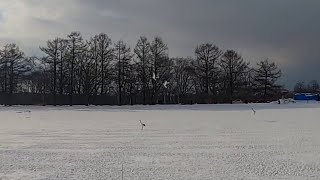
<point x="71" y="78"/>
<point x="144" y="83"/>
<point x="102" y="71"/>
<point x="119" y="78"/>
<point x="54" y="81"/>
<point x="265" y="87"/>
<point x="11" y="83"/>
<point x="61" y="75"/>
<point x="231" y="85"/>
<point x="207" y="79"/>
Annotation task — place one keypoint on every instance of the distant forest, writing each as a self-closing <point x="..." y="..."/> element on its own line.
<point x="99" y="71"/>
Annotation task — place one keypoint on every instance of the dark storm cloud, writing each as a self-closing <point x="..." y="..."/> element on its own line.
<point x="285" y="25"/>
<point x="286" y="31"/>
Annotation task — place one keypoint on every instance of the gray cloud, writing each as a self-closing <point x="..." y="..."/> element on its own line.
<point x="285" y="31"/>
<point x="1" y="16"/>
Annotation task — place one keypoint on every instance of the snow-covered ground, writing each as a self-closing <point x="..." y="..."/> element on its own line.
<point x="199" y="142"/>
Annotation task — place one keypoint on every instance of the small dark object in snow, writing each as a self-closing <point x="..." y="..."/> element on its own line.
<point x="142" y="125"/>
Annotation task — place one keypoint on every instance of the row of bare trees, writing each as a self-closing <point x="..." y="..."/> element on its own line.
<point x="312" y="87"/>
<point x="13" y="64"/>
<point x="100" y="71"/>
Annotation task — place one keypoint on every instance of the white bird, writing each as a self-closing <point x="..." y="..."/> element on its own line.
<point x="154" y="76"/>
<point x="165" y="84"/>
<point x="142" y="125"/>
<point x="254" y="111"/>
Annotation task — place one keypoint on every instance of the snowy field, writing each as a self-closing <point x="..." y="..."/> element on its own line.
<point x="199" y="142"/>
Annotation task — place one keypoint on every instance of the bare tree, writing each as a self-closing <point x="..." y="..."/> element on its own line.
<point x="234" y="69"/>
<point x="93" y="53"/>
<point x="83" y="70"/>
<point x="206" y="66"/>
<point x="300" y="87"/>
<point x="105" y="55"/>
<point x="123" y="57"/>
<point x="76" y="47"/>
<point x="266" y="76"/>
<point x="89" y="74"/>
<point x="14" y="64"/>
<point x="63" y="52"/>
<point x="41" y="77"/>
<point x="159" y="52"/>
<point x="130" y="82"/>
<point x="52" y="52"/>
<point x="143" y="53"/>
<point x="182" y="76"/>
<point x="165" y="78"/>
<point x="313" y="86"/>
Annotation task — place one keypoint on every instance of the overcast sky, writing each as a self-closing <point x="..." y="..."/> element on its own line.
<point x="285" y="31"/>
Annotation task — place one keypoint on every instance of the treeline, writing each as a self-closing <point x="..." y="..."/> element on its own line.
<point x="100" y="71"/>
<point x="312" y="87"/>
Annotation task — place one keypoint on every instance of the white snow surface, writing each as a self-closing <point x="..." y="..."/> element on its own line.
<point x="199" y="142"/>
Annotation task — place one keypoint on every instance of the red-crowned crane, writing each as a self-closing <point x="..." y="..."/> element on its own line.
<point x="254" y="111"/>
<point x="142" y="125"/>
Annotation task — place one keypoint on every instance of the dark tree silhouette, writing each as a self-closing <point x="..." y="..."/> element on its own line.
<point x="97" y="71"/>
<point x="159" y="53"/>
<point x="206" y="66"/>
<point x="182" y="77"/>
<point x="63" y="52"/>
<point x="234" y="69"/>
<point x="76" y="47"/>
<point x="266" y="76"/>
<point x="300" y="87"/>
<point x="105" y="55"/>
<point x="313" y="86"/>
<point x="123" y="57"/>
<point x="52" y="52"/>
<point x="143" y="54"/>
<point x="14" y="64"/>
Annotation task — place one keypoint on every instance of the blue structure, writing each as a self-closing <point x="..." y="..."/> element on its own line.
<point x="306" y="97"/>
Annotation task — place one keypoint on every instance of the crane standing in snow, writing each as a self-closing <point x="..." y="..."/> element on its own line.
<point x="254" y="111"/>
<point x="142" y="125"/>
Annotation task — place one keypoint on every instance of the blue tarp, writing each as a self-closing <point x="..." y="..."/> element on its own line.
<point x="306" y="97"/>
